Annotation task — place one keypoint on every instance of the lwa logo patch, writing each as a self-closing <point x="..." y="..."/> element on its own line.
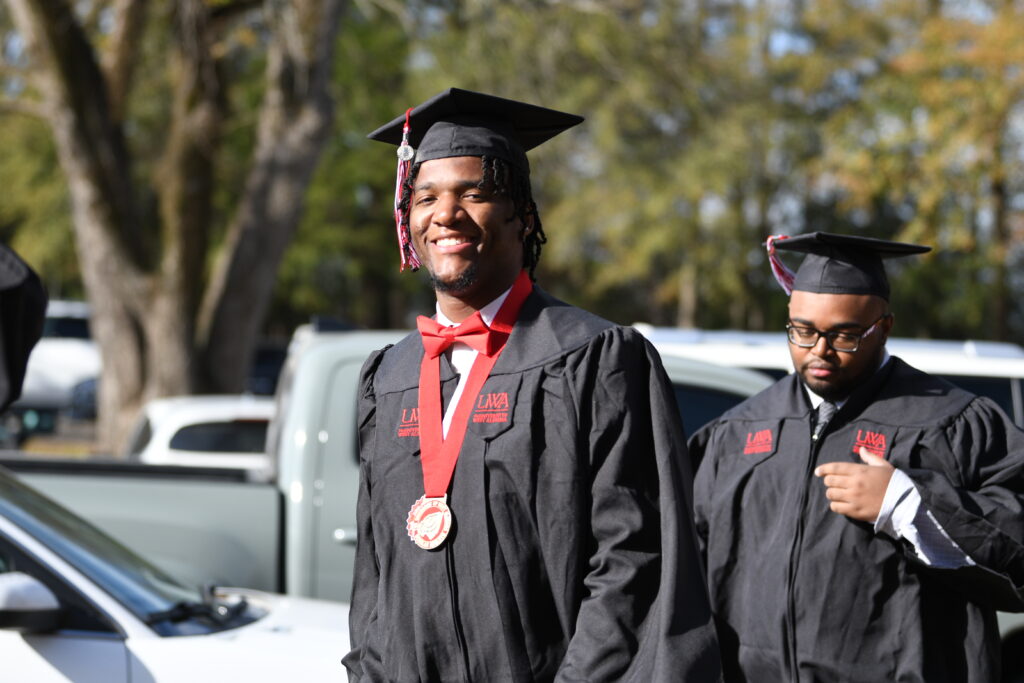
<point x="876" y="443"/>
<point x="410" y="423"/>
<point x="758" y="442"/>
<point x="491" y="408"/>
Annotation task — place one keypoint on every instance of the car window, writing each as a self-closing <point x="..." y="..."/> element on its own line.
<point x="700" y="405"/>
<point x="236" y="436"/>
<point x="66" y="328"/>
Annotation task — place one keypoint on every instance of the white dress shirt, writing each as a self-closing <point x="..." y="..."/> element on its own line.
<point x="463" y="355"/>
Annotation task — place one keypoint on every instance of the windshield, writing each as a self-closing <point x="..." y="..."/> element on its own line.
<point x="66" y="328"/>
<point x="141" y="587"/>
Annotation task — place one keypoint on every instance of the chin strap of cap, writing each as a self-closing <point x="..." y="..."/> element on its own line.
<point x="405" y="157"/>
<point x="783" y="275"/>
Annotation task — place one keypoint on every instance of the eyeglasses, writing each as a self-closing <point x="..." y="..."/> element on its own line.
<point x="837" y="340"/>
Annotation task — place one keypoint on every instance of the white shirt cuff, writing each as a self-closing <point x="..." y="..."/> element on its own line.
<point x="897" y="511"/>
<point x="903" y="516"/>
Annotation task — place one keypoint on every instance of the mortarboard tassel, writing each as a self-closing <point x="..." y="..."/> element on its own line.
<point x="405" y="157"/>
<point x="783" y="275"/>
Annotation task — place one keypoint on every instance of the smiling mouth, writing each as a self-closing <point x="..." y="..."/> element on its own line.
<point x="451" y="241"/>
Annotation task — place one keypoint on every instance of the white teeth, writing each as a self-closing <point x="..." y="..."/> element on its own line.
<point x="450" y="241"/>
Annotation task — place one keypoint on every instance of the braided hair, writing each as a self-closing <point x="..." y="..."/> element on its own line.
<point x="505" y="180"/>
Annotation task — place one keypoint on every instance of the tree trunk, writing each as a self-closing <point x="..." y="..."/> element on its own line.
<point x="999" y="251"/>
<point x="294" y="122"/>
<point x="158" y="332"/>
<point x="689" y="276"/>
<point x="94" y="158"/>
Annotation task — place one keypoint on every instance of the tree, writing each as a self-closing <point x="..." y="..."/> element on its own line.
<point x="169" y="316"/>
<point x="933" y="140"/>
<point x="343" y="263"/>
<point x="659" y="202"/>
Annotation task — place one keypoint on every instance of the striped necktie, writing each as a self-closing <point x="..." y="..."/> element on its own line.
<point x="826" y="411"/>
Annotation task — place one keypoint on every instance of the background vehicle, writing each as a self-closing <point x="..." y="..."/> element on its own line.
<point x="62" y="367"/>
<point x="203" y="431"/>
<point x="63" y="371"/>
<point x="294" y="532"/>
<point x="76" y="605"/>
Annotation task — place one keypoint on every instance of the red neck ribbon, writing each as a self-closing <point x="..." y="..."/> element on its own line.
<point x="438" y="454"/>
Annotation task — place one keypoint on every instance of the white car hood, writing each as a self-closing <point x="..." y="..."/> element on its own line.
<point x="299" y="639"/>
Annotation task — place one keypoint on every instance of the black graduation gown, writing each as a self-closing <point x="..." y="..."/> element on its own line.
<point x="22" y="310"/>
<point x="573" y="555"/>
<point x="801" y="593"/>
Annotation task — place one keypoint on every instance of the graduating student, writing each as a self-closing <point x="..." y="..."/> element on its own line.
<point x="524" y="511"/>
<point x="860" y="519"/>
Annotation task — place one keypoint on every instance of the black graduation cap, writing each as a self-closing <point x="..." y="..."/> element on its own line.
<point x="457" y="123"/>
<point x="460" y="122"/>
<point x="838" y="264"/>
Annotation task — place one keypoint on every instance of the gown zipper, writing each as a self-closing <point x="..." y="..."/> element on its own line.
<point x="794" y="555"/>
<point x="453" y="592"/>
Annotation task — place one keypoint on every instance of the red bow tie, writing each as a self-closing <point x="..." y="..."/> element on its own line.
<point x="472" y="331"/>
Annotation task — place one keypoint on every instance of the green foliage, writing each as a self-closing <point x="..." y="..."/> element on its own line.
<point x="710" y="125"/>
<point x="344" y="261"/>
<point x="935" y="138"/>
<point x="34" y="215"/>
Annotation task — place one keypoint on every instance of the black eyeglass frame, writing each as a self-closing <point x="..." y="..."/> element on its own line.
<point x="831" y="336"/>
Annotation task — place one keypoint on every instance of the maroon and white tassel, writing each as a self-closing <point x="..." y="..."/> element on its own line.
<point x="405" y="157"/>
<point x="783" y="275"/>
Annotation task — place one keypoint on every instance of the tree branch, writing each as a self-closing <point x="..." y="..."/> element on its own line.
<point x="94" y="12"/>
<point x="33" y="109"/>
<point x="91" y="145"/>
<point x="121" y="59"/>
<point x="396" y="8"/>
<point x="186" y="170"/>
<point x="221" y="15"/>
<point x="295" y="119"/>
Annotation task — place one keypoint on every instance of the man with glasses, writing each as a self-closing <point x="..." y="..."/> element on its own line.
<point x="860" y="520"/>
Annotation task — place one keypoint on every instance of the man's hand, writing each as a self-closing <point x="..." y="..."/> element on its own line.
<point x="856" y="490"/>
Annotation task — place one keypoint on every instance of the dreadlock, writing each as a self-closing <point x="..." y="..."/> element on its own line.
<point x="504" y="179"/>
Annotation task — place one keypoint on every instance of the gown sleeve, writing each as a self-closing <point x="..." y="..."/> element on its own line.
<point x="978" y="500"/>
<point x="646" y="614"/>
<point x="363" y="661"/>
<point x="703" y="484"/>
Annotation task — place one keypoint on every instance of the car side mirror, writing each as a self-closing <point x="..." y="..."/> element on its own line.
<point x="26" y="604"/>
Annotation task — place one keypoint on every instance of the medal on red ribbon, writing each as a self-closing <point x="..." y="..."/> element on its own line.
<point x="430" y="519"/>
<point x="429" y="522"/>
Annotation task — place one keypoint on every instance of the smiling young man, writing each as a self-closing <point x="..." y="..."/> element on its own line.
<point x="524" y="507"/>
<point x="861" y="521"/>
